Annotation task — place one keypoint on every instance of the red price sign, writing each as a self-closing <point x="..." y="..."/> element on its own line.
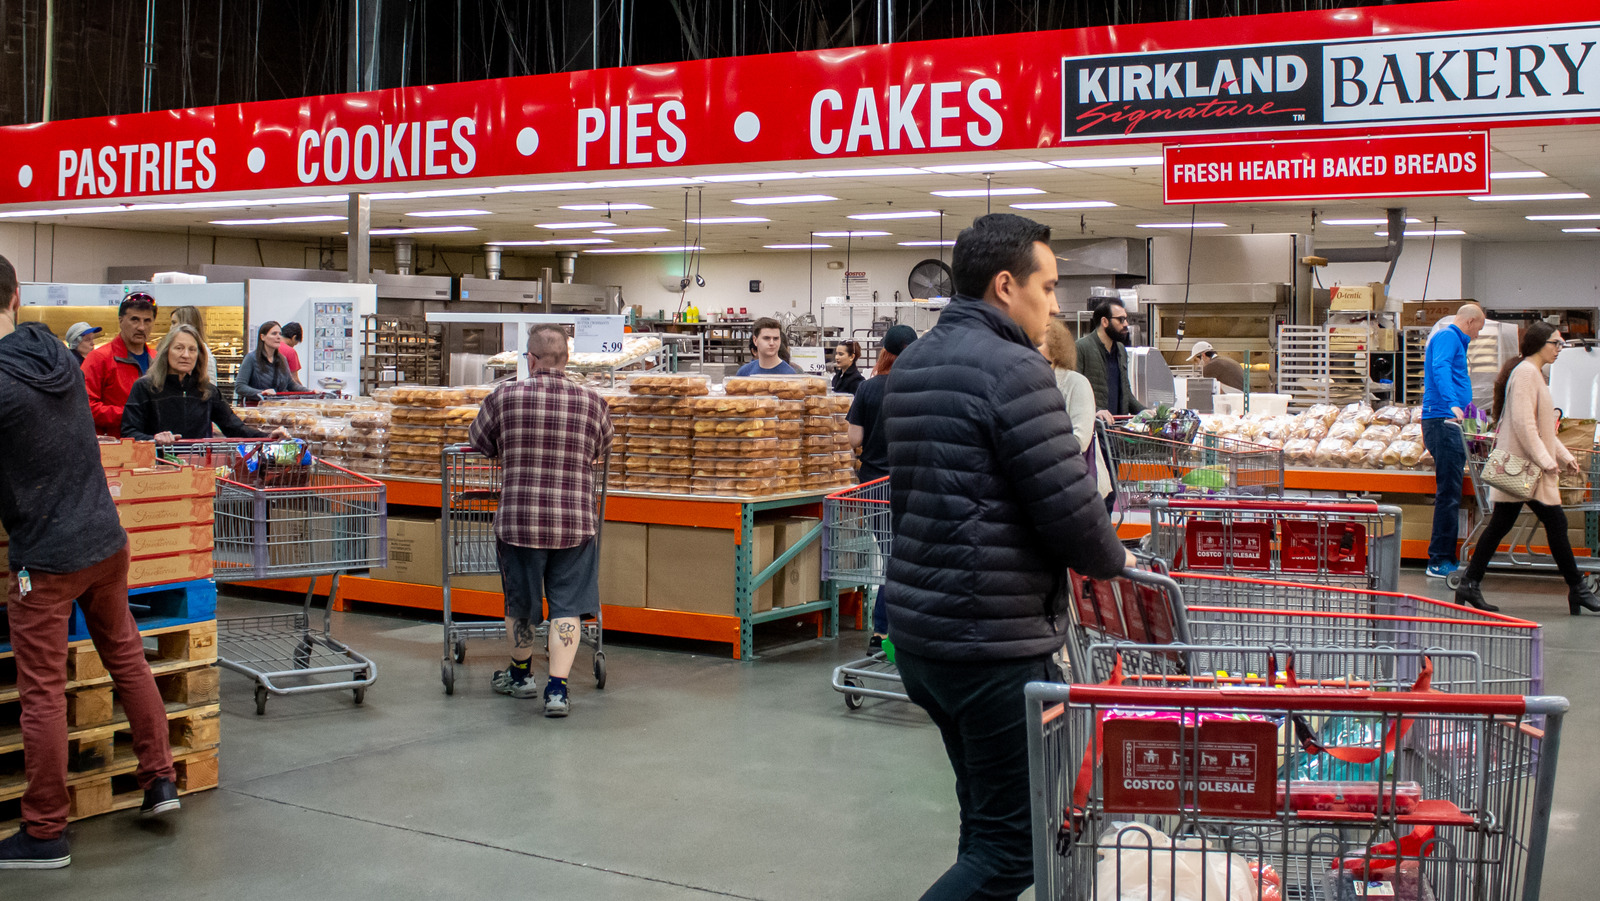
<point x="1328" y="169"/>
<point x="1156" y="766"/>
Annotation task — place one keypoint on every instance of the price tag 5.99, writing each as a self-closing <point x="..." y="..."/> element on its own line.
<point x="597" y="334"/>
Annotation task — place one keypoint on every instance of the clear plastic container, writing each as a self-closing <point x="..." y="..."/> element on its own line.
<point x="792" y="409"/>
<point x="656" y="464"/>
<point x="419" y="416"/>
<point x="734" y="406"/>
<point x="789" y="387"/>
<point x="828" y="404"/>
<point x="734" y="468"/>
<point x="1350" y="797"/>
<point x="680" y="384"/>
<point x="749" y="448"/>
<point x="817" y="444"/>
<point x="736" y="428"/>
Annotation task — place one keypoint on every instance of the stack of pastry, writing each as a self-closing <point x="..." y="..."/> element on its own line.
<point x="654" y="426"/>
<point x="828" y="461"/>
<point x="426" y="419"/>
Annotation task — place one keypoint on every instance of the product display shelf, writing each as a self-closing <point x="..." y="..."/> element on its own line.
<point x="734" y="515"/>
<point x="1416" y="340"/>
<point x="1321" y="364"/>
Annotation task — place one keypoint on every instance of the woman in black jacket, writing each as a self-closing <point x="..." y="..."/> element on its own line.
<point x="846" y="377"/>
<point x="265" y="371"/>
<point x="176" y="400"/>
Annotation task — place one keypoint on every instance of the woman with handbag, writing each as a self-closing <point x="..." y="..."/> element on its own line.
<point x="1524" y="469"/>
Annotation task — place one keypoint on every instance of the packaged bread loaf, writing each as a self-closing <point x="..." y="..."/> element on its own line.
<point x="730" y="487"/>
<point x="793" y="409"/>
<point x="1412" y="432"/>
<point x="673" y="385"/>
<point x="789" y="387"/>
<point x="657" y="464"/>
<point x="1346" y="430"/>
<point x="735" y="447"/>
<point x="715" y="467"/>
<point x="1367" y="453"/>
<point x="1330" y="452"/>
<point x="828" y="404"/>
<point x="734" y="405"/>
<point x="1300" y="451"/>
<point x="419" y="415"/>
<point x="1383" y="432"/>
<point x="461" y="415"/>
<point x="1391" y="414"/>
<point x="748" y="428"/>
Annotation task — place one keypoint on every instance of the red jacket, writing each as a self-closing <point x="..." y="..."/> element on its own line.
<point x="108" y="375"/>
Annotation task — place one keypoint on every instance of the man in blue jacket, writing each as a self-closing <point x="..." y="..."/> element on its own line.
<point x="991" y="503"/>
<point x="1446" y="392"/>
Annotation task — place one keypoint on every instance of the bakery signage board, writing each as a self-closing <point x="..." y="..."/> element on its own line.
<point x="1327" y="169"/>
<point x="597" y="334"/>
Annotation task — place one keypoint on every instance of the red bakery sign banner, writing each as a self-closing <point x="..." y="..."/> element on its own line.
<point x="1389" y="70"/>
<point x="1329" y="169"/>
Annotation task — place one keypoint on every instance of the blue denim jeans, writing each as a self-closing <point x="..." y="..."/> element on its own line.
<point x="1443" y="439"/>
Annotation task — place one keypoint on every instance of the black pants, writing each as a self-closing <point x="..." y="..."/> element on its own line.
<point x="981" y="713"/>
<point x="1551" y="516"/>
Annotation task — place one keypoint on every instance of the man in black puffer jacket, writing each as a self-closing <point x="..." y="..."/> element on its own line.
<point x="991" y="502"/>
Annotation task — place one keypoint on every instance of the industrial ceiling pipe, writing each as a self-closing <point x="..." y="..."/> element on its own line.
<point x="568" y="261"/>
<point x="1388" y="253"/>
<point x="405" y="254"/>
<point x="493" y="262"/>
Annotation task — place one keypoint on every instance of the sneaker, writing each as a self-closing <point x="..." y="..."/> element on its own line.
<point x="24" y="852"/>
<point x="504" y="684"/>
<point x="556" y="703"/>
<point x="1442" y="570"/>
<point x="161" y="797"/>
<point x="875" y="644"/>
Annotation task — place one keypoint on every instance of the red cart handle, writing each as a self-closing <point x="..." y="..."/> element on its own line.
<point x="1249" y="505"/>
<point x="1420" y="701"/>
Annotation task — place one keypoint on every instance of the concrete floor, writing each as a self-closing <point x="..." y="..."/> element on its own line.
<point x="689" y="776"/>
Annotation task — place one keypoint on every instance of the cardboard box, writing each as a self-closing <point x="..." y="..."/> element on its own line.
<point x="800" y="580"/>
<point x="161" y="514"/>
<point x="414" y="553"/>
<point x="175" y="540"/>
<point x="170" y="568"/>
<point x="163" y="481"/>
<point x="127" y="453"/>
<point x="1428" y="312"/>
<point x="1385" y="340"/>
<point x="691" y="569"/>
<point x="624" y="548"/>
<point x="1356" y="297"/>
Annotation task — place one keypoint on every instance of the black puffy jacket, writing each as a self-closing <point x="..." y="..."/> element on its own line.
<point x="178" y="408"/>
<point x="990" y="499"/>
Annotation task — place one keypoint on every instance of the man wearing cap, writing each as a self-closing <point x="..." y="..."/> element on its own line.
<point x="111" y="369"/>
<point x="1225" y="371"/>
<point x="80" y="340"/>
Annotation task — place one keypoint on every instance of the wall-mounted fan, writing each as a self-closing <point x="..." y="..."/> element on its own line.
<point x="930" y="278"/>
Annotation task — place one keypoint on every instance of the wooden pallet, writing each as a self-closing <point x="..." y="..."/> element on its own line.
<point x="108" y="749"/>
<point x="167" y="649"/>
<point x="118" y="788"/>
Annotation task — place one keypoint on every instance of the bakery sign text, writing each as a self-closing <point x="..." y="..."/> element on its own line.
<point x="1470" y="76"/>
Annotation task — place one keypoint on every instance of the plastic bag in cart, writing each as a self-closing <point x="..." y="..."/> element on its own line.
<point x="1142" y="863"/>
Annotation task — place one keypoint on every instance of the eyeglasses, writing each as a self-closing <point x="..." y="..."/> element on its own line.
<point x="1557" y="343"/>
<point x="1119" y="319"/>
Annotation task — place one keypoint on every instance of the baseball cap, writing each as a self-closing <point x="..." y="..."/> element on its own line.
<point x="898" y="338"/>
<point x="1199" y="348"/>
<point x="78" y="330"/>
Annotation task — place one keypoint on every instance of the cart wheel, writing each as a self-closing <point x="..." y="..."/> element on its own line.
<point x="302" y="653"/>
<point x="599" y="669"/>
<point x="261" y="700"/>
<point x="361" y="694"/>
<point x="461" y="650"/>
<point x="448" y="674"/>
<point x="1453" y="581"/>
<point x="852" y="700"/>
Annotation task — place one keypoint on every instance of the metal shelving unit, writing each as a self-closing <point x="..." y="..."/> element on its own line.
<point x="396" y="351"/>
<point x="1414" y="341"/>
<point x="1321" y="364"/>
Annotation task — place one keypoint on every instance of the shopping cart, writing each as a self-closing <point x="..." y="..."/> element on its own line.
<point x="1162" y="792"/>
<point x="292" y="519"/>
<point x="470" y="486"/>
<point x="856" y="540"/>
<point x="1354" y="544"/>
<point x="1147" y="466"/>
<point x="1580" y="492"/>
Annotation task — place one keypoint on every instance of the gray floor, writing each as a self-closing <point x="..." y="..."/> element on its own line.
<point x="690" y="776"/>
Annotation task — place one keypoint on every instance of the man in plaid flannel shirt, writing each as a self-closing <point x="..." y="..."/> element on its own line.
<point x="548" y="433"/>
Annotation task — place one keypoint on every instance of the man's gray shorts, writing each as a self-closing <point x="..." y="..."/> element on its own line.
<point x="568" y="578"/>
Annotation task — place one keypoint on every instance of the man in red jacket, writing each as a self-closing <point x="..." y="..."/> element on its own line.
<point x="111" y="369"/>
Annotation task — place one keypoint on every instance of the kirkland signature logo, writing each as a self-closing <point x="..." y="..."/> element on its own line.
<point x="1528" y="73"/>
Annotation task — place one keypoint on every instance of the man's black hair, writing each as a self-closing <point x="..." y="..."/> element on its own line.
<point x="8" y="282"/>
<point x="139" y="301"/>
<point x="292" y="331"/>
<point x="1102" y="311"/>
<point x="996" y="243"/>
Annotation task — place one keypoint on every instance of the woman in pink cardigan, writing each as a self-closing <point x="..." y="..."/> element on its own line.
<point x="1527" y="428"/>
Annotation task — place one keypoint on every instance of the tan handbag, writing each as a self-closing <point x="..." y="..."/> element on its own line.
<point x="1515" y="475"/>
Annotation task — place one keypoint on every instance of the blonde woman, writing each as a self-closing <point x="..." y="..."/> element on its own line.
<point x="176" y="400"/>
<point x="1062" y="352"/>
<point x="192" y="317"/>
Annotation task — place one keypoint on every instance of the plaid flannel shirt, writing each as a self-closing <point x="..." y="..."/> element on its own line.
<point x="548" y="434"/>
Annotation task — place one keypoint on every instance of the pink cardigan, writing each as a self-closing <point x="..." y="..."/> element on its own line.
<point x="1528" y="429"/>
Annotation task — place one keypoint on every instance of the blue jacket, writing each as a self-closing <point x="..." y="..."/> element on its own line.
<point x="1445" y="382"/>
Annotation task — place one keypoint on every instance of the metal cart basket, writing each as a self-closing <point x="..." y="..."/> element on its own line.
<point x="1158" y="792"/>
<point x="1147" y="466"/>
<point x="300" y="519"/>
<point x="1349" y="544"/>
<point x="1580" y="492"/>
<point x="856" y="541"/>
<point x="470" y="486"/>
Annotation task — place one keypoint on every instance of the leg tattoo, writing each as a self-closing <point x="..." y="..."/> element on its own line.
<point x="566" y="632"/>
<point x="523" y="631"/>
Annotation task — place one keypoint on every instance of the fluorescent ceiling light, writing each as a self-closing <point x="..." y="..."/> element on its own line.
<point x="1409" y="221"/>
<point x="1427" y="233"/>
<point x="998" y="166"/>
<point x="565" y="242"/>
<point x="437" y="192"/>
<point x="727" y="220"/>
<point x="1528" y="173"/>
<point x="754" y="176"/>
<point x="550" y="186"/>
<point x="643" y="230"/>
<point x="641" y="183"/>
<point x="605" y="207"/>
<point x="1591" y="230"/>
<point x="792" y="198"/>
<point x="1563" y="217"/>
<point x="909" y="214"/>
<point x="867" y="173"/>
<point x="987" y="192"/>
<point x="424" y="230"/>
<point x="1108" y="162"/>
<point x="647" y="249"/>
<point x="796" y="246"/>
<point x="1064" y="205"/>
<point x="1574" y="195"/>
<point x="950" y="243"/>
<point x="1182" y="225"/>
<point x="157" y="207"/>
<point x="432" y="214"/>
<point x="281" y="220"/>
<point x="556" y="225"/>
<point x="850" y="234"/>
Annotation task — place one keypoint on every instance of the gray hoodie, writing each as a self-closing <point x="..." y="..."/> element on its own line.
<point x="54" y="502"/>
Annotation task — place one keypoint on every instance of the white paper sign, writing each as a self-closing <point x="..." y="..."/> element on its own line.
<point x="809" y="360"/>
<point x="597" y="334"/>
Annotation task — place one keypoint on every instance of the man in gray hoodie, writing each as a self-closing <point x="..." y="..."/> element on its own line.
<point x="67" y="544"/>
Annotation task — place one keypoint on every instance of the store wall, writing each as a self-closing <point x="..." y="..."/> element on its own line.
<point x="1537" y="274"/>
<point x="1449" y="279"/>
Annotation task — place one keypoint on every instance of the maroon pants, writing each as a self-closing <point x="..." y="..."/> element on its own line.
<point x="39" y="624"/>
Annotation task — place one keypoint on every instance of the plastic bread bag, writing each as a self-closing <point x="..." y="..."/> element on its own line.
<point x="1356" y="412"/>
<point x="1300" y="451"/>
<point x="1391" y="414"/>
<point x="1325" y="412"/>
<point x="1346" y="430"/>
<point x="1383" y="432"/>
<point x="1411" y="431"/>
<point x="1367" y="453"/>
<point x="1141" y="863"/>
<point x="1330" y="452"/>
